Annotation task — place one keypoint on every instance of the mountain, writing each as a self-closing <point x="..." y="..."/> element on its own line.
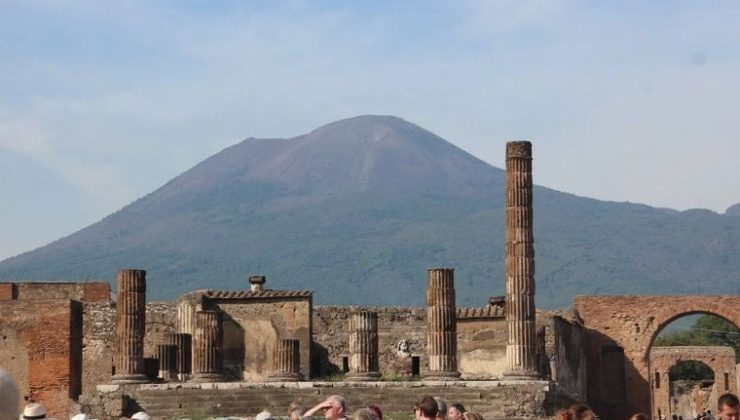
<point x="357" y="210"/>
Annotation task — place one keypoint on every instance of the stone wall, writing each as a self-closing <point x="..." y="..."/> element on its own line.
<point x="481" y="348"/>
<point x="41" y="348"/>
<point x="83" y="292"/>
<point x="561" y="349"/>
<point x="401" y="335"/>
<point x="720" y="359"/>
<point x="252" y="329"/>
<point x="99" y="330"/>
<point x="620" y="331"/>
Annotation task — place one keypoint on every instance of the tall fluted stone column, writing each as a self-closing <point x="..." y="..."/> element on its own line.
<point x="521" y="347"/>
<point x="184" y="357"/>
<point x="441" y="325"/>
<point x="207" y="346"/>
<point x="167" y="356"/>
<point x="287" y="362"/>
<point x="130" y="327"/>
<point x="363" y="347"/>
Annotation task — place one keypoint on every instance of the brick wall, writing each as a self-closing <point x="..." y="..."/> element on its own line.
<point x="42" y="343"/>
<point x="83" y="292"/>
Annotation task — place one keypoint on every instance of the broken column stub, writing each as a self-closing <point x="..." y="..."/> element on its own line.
<point x="363" y="347"/>
<point x="286" y="362"/>
<point x="441" y="325"/>
<point x="128" y="355"/>
<point x="208" y="346"/>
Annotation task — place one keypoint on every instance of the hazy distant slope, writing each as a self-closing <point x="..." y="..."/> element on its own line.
<point x="358" y="209"/>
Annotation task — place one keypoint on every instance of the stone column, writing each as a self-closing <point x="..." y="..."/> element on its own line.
<point x="441" y="325"/>
<point x="521" y="348"/>
<point x="130" y="327"/>
<point x="207" y="346"/>
<point x="286" y="362"/>
<point x="184" y="357"/>
<point x="363" y="347"/>
<point x="167" y="356"/>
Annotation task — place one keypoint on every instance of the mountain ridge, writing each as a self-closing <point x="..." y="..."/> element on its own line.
<point x="365" y="205"/>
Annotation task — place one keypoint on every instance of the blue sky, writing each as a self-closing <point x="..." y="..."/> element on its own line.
<point x="102" y="102"/>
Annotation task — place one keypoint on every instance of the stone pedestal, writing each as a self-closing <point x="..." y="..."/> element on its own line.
<point x="167" y="357"/>
<point x="287" y="362"/>
<point x="441" y="325"/>
<point x="207" y="347"/>
<point x="184" y="356"/>
<point x="130" y="327"/>
<point x="521" y="348"/>
<point x="363" y="347"/>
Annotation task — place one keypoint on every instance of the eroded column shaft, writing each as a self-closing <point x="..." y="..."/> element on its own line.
<point x="207" y="346"/>
<point x="130" y="326"/>
<point x="521" y="348"/>
<point x="363" y="346"/>
<point x="441" y="323"/>
<point x="167" y="356"/>
<point x="184" y="356"/>
<point x="287" y="361"/>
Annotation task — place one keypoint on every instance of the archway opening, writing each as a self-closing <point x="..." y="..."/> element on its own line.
<point x="693" y="360"/>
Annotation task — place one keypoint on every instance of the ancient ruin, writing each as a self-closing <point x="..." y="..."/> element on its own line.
<point x="521" y="349"/>
<point x="230" y="352"/>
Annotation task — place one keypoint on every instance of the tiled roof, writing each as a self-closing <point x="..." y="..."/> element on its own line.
<point x="485" y="312"/>
<point x="262" y="294"/>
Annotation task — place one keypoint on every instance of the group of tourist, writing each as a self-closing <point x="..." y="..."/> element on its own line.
<point x="335" y="408"/>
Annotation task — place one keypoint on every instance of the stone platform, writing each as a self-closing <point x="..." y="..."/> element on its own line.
<point x="493" y="399"/>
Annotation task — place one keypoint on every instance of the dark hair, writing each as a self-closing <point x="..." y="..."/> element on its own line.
<point x="575" y="412"/>
<point x="459" y="407"/>
<point x="728" y="399"/>
<point x="376" y="409"/>
<point x="428" y="406"/>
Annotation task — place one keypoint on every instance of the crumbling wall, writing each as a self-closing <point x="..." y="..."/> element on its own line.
<point x="83" y="291"/>
<point x="252" y="328"/>
<point x="562" y="357"/>
<point x="401" y="335"/>
<point x="481" y="348"/>
<point x="41" y="348"/>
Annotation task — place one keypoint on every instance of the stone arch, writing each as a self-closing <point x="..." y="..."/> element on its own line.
<point x="632" y="323"/>
<point x="718" y="358"/>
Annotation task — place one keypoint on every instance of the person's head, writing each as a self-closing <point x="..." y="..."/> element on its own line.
<point x="34" y="411"/>
<point x="264" y="415"/>
<point x="338" y="407"/>
<point x="8" y="397"/>
<point x="728" y="407"/>
<point x="639" y="416"/>
<point x="426" y="408"/>
<point x="364" y="414"/>
<point x="296" y="410"/>
<point x="577" y="412"/>
<point x="376" y="410"/>
<point x="455" y="412"/>
<point x="441" y="408"/>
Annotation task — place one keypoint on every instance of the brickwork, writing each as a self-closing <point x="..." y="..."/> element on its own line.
<point x="42" y="347"/>
<point x="620" y="331"/>
<point x="720" y="359"/>
<point x="89" y="292"/>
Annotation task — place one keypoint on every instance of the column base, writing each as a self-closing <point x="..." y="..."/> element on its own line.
<point x="441" y="376"/>
<point x="207" y="377"/>
<point x="362" y="376"/>
<point x="284" y="377"/>
<point x="134" y="378"/>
